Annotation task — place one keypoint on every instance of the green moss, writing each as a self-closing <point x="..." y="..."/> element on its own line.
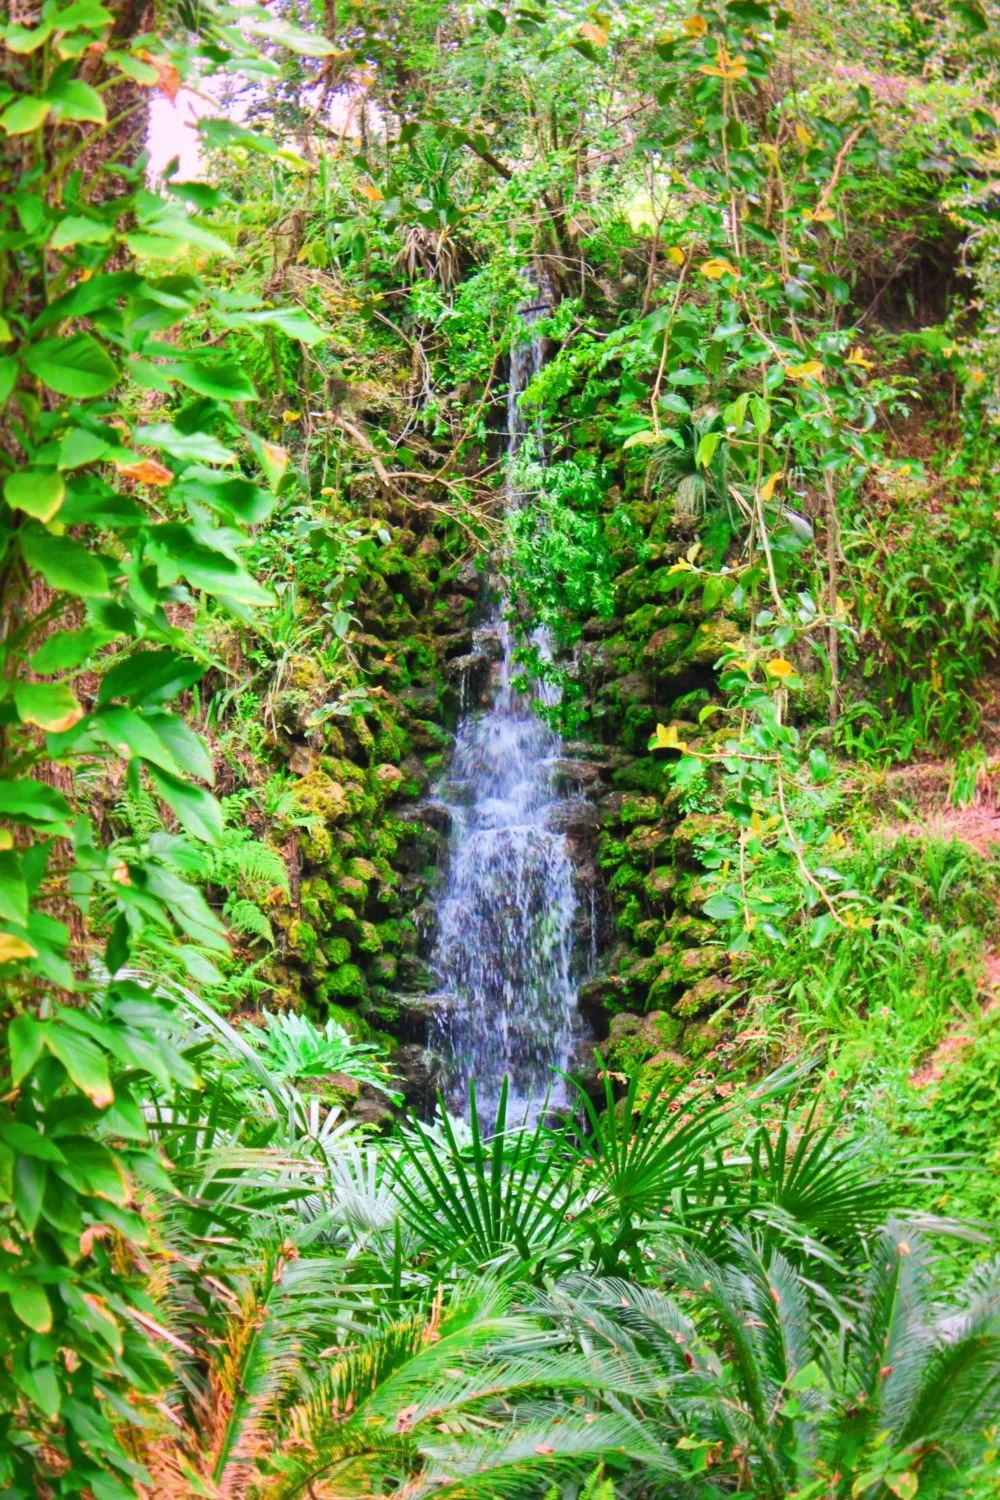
<point x="368" y="939"/>
<point x="640" y="810"/>
<point x="347" y="982"/>
<point x="337" y="950"/>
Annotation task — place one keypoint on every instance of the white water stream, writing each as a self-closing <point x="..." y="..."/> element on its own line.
<point x="504" y="951"/>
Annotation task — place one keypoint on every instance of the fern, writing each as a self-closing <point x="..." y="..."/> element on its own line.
<point x="246" y="916"/>
<point x="246" y="863"/>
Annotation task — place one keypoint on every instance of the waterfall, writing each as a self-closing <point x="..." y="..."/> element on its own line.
<point x="504" y="955"/>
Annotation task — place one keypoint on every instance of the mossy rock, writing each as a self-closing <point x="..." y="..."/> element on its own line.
<point x="635" y="1041"/>
<point x="651" y="841"/>
<point x="703" y="1036"/>
<point x="353" y="890"/>
<point x="691" y="964"/>
<point x="346" y="982"/>
<point x="368" y="939"/>
<point x="359" y="868"/>
<point x="710" y="641"/>
<point x="338" y="951"/>
<point x="643" y="774"/>
<point x="698" y="829"/>
<point x="384" y="968"/>
<point x="667" y="645"/>
<point x="301" y="939"/>
<point x="316" y="845"/>
<point x="649" y="933"/>
<point x="640" y="810"/>
<point x="323" y="797"/>
<point x="625" y="878"/>
<point x="708" y="994"/>
<point x="684" y="930"/>
<point x="660" y="884"/>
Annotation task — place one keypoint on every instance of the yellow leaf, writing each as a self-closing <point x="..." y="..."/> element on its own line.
<point x="595" y="34"/>
<point x="692" y="552"/>
<point x="811" y="370"/>
<point x="756" y="824"/>
<point x="681" y="566"/>
<point x="291" y="416"/>
<point x="857" y="357"/>
<point x="819" y="215"/>
<point x="767" y="488"/>
<point x="666" y="738"/>
<point x="646" y="439"/>
<point x="371" y="192"/>
<point x="695" y="26"/>
<point x="803" y="137"/>
<point x="676" y="254"/>
<point x="779" y="667"/>
<point x="6" y="839"/>
<point x="14" y="947"/>
<point x="716" y="267"/>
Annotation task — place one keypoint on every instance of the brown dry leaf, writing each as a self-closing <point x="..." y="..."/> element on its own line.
<point x="371" y="192"/>
<point x="147" y="471"/>
<point x="594" y="34"/>
<point x="168" y="80"/>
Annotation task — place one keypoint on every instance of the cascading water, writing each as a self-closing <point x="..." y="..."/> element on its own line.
<point x="505" y="947"/>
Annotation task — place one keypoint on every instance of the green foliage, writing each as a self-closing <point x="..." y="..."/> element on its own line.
<point x="293" y="1048"/>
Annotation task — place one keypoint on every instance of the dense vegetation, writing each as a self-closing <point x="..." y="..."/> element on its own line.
<point x="253" y="472"/>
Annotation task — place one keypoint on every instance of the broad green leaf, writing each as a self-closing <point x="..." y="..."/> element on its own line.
<point x="132" y="734"/>
<point x="224" y="379"/>
<point x="707" y="445"/>
<point x="8" y="377"/>
<point x="306" y="43"/>
<point x="37" y="492"/>
<point x="26" y="1041"/>
<point x="90" y="14"/>
<point x="133" y="67"/>
<point x="80" y="447"/>
<point x="50" y="705"/>
<point x="31" y="1305"/>
<point x="195" y="809"/>
<point x="187" y="748"/>
<point x="83" y="1060"/>
<point x="193" y="447"/>
<point x="33" y="803"/>
<point x="216" y="574"/>
<point x="291" y="321"/>
<point x="72" y="99"/>
<point x="91" y="1168"/>
<point x="74" y="366"/>
<point x="721" y="907"/>
<point x="13" y="889"/>
<point x="68" y="649"/>
<point x="149" y="677"/>
<point x="24" y="116"/>
<point x="26" y="39"/>
<point x="74" y="230"/>
<point x="64" y="564"/>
